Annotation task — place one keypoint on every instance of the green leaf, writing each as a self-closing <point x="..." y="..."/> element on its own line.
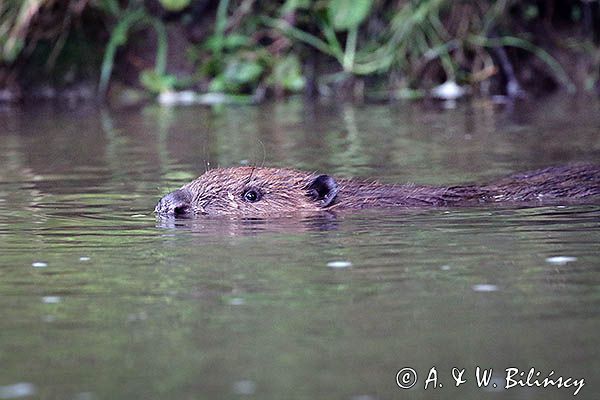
<point x="229" y="42"/>
<point x="217" y="84"/>
<point x="242" y="71"/>
<point x="11" y="49"/>
<point x="157" y="83"/>
<point x="235" y="41"/>
<point x="347" y="14"/>
<point x="292" y="5"/>
<point x="174" y="5"/>
<point x="287" y="74"/>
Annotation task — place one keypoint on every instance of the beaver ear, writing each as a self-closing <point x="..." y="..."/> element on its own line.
<point x="323" y="189"/>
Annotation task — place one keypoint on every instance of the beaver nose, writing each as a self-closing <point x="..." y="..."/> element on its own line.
<point x="175" y="203"/>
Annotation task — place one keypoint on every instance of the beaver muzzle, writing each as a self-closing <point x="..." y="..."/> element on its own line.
<point x="177" y="203"/>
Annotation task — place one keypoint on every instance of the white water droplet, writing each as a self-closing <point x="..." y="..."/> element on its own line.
<point x="39" y="264"/>
<point x="16" y="390"/>
<point x="237" y="301"/>
<point x="51" y="299"/>
<point x="560" y="260"/>
<point x="485" y="287"/>
<point x="339" y="264"/>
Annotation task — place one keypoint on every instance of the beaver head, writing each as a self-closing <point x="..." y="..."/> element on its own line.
<point x="250" y="191"/>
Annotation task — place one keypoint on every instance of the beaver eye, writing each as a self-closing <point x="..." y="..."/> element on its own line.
<point x="252" y="195"/>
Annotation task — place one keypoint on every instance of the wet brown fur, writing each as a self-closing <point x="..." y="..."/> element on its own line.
<point x="283" y="191"/>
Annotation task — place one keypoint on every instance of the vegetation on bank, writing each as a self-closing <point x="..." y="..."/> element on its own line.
<point x="252" y="49"/>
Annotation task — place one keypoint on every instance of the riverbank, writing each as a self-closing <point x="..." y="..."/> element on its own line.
<point x="196" y="51"/>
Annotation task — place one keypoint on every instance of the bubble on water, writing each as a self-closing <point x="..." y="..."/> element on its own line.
<point x="560" y="260"/>
<point x="245" y="387"/>
<point x="39" y="264"/>
<point x="51" y="299"/>
<point x="16" y="390"/>
<point x="237" y="301"/>
<point x="445" y="268"/>
<point x="339" y="264"/>
<point x="485" y="287"/>
<point x="84" y="258"/>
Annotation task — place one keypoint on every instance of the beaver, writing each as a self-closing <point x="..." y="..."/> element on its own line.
<point x="262" y="192"/>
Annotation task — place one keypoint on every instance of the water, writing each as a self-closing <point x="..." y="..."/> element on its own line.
<point x="100" y="300"/>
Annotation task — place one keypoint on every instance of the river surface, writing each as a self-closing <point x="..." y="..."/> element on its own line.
<point x="102" y="300"/>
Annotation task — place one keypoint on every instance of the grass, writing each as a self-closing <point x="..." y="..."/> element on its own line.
<point x="253" y="46"/>
<point x="128" y="19"/>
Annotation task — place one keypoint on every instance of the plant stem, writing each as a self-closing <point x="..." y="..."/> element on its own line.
<point x="540" y="53"/>
<point x="350" y="52"/>
<point x="220" y="25"/>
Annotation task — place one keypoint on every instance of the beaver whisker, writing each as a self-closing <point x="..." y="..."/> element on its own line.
<point x="250" y="177"/>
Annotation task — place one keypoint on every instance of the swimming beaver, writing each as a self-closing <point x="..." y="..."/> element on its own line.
<point x="264" y="192"/>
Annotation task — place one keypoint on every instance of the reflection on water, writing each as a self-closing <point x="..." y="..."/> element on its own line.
<point x="324" y="221"/>
<point x="101" y="299"/>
